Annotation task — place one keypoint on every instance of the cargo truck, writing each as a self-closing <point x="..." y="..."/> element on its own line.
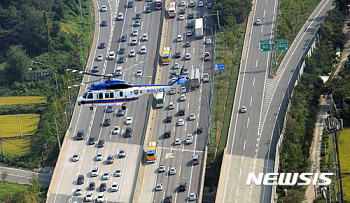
<point x="199" y="28"/>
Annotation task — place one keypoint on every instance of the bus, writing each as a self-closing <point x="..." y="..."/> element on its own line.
<point x="152" y="152"/>
<point x="172" y="10"/>
<point x="160" y="99"/>
<point x="158" y="4"/>
<point x="166" y="56"/>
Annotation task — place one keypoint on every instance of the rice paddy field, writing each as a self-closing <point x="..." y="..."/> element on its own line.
<point x="344" y="153"/>
<point x="9" y="125"/>
<point x="18" y="146"/>
<point x="22" y="100"/>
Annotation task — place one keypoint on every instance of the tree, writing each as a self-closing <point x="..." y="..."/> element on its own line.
<point x="34" y="188"/>
<point x="17" y="65"/>
<point x="4" y="176"/>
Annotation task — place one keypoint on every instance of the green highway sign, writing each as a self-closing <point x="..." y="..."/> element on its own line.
<point x="281" y="40"/>
<point x="265" y="47"/>
<point x="266" y="41"/>
<point x="281" y="46"/>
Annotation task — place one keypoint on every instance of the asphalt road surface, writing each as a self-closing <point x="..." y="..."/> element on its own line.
<point x="64" y="180"/>
<point x="251" y="144"/>
<point x="22" y="176"/>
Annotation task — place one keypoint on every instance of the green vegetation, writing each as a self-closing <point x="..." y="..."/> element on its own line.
<point x="40" y="35"/>
<point x="344" y="153"/>
<point x="10" y="127"/>
<point x="17" y="146"/>
<point x="22" y="100"/>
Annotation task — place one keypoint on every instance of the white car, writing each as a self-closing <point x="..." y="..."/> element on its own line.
<point x="185" y="71"/>
<point x="161" y="168"/>
<point x="105" y="175"/>
<point x="191" y="3"/>
<point x="100" y="57"/>
<point x="192" y="117"/>
<point x="143" y="50"/>
<point x="120" y="16"/>
<point x="118" y="172"/>
<point x="208" y="41"/>
<point x="258" y="22"/>
<point x="144" y="37"/>
<point x="94" y="171"/>
<point x="159" y="187"/>
<point x="89" y="197"/>
<point x="171" y="105"/>
<point x="116" y="130"/>
<point x="79" y="191"/>
<point x="132" y="53"/>
<point x="111" y="55"/>
<point x="183" y="97"/>
<point x="135" y="33"/>
<point x="179" y="38"/>
<point x="104" y="8"/>
<point x="134" y="41"/>
<point x="128" y="120"/>
<point x="243" y="109"/>
<point x="206" y="77"/>
<point x="189" y="139"/>
<point x="100" y="197"/>
<point x="181" y="17"/>
<point x="180" y="122"/>
<point x="172" y="171"/>
<point x="188" y="56"/>
<point x="115" y="187"/>
<point x="173" y="78"/>
<point x="193" y="196"/>
<point x="200" y="4"/>
<point x="177" y="141"/>
<point x="172" y="92"/>
<point x="139" y="73"/>
<point x="99" y="156"/>
<point x="189" y="32"/>
<point x="75" y="157"/>
<point x="183" y="89"/>
<point x="176" y="66"/>
<point x="183" y="3"/>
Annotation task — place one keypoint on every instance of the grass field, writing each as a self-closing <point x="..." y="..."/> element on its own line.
<point x="10" y="128"/>
<point x="21" y="100"/>
<point x="11" y="188"/>
<point x="344" y="153"/>
<point x="19" y="146"/>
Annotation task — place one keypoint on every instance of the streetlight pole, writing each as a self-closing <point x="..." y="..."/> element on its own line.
<point x="81" y="52"/>
<point x="81" y="14"/>
<point x="58" y="137"/>
<point x="33" y="195"/>
<point x="70" y="102"/>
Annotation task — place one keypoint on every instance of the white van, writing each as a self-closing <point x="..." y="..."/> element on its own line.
<point x="119" y="71"/>
<point x="111" y="55"/>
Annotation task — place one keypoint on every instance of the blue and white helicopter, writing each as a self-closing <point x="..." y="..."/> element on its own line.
<point x="119" y="92"/>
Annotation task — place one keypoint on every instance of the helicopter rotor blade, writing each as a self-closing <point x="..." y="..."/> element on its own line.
<point x="85" y="83"/>
<point x="83" y="72"/>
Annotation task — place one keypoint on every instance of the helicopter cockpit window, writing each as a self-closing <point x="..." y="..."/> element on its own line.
<point x="121" y="94"/>
<point x="100" y="95"/>
<point x="84" y="96"/>
<point x="106" y="95"/>
<point x="90" y="96"/>
<point x="111" y="95"/>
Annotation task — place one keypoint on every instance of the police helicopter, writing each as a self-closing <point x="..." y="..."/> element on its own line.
<point x="118" y="92"/>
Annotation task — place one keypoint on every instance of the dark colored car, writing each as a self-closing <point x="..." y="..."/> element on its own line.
<point x="92" y="140"/>
<point x="130" y="4"/>
<point x="138" y="15"/>
<point x="120" y="112"/>
<point x="190" y="25"/>
<point x="148" y="9"/>
<point x="121" y="59"/>
<point x="80" y="179"/>
<point x="168" y="199"/>
<point x="101" y="143"/>
<point x="177" y="54"/>
<point x="188" y="44"/>
<point x="183" y="186"/>
<point x="123" y="39"/>
<point x="137" y="23"/>
<point x="210" y="5"/>
<point x="169" y="119"/>
<point x="182" y="112"/>
<point x="122" y="51"/>
<point x="104" y="23"/>
<point x="190" y="16"/>
<point x="102" y="45"/>
<point x="167" y="133"/>
<point x="80" y="135"/>
<point x="182" y="11"/>
<point x="128" y="132"/>
<point x="103" y="187"/>
<point x="199" y="130"/>
<point x="110" y="159"/>
<point x="92" y="186"/>
<point x="107" y="122"/>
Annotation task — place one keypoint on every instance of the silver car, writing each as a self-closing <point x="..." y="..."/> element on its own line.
<point x="75" y="157"/>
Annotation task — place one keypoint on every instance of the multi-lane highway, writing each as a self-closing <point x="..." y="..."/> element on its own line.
<point x="251" y="144"/>
<point x="64" y="182"/>
<point x="169" y="154"/>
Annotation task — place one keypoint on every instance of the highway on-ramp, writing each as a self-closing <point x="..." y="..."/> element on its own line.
<point x="64" y="182"/>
